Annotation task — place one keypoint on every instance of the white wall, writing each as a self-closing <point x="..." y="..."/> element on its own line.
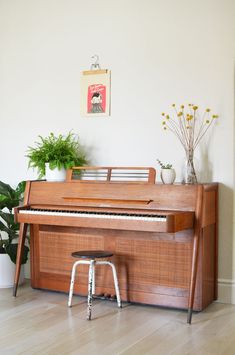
<point x="159" y="51"/>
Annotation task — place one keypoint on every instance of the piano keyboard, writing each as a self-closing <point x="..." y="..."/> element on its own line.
<point x="91" y="214"/>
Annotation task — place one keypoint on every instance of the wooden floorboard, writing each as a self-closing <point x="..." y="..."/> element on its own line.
<point x="39" y="322"/>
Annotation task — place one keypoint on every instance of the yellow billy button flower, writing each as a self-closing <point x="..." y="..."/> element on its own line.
<point x="189" y="125"/>
<point x="189" y="117"/>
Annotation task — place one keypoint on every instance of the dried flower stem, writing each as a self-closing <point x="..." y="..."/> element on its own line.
<point x="188" y="127"/>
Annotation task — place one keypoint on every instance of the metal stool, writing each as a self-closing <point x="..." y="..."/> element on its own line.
<point x="92" y="255"/>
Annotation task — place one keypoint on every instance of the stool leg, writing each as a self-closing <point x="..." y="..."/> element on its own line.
<point x="93" y="280"/>
<point x="90" y="281"/>
<point x="73" y="278"/>
<point x="119" y="302"/>
<point x="72" y="284"/>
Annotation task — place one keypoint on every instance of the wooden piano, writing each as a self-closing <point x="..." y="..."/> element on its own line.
<point x="164" y="237"/>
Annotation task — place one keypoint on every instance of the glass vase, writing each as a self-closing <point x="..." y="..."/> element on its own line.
<point x="190" y="174"/>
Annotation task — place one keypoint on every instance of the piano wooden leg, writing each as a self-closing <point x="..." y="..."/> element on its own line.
<point x="196" y="239"/>
<point x="193" y="277"/>
<point x="20" y="248"/>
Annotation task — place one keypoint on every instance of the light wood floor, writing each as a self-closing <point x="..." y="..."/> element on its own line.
<point x="39" y="322"/>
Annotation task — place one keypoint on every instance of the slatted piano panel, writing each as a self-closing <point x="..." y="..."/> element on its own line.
<point x="151" y="270"/>
<point x="112" y="174"/>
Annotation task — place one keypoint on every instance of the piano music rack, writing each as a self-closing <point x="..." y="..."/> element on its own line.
<point x="146" y="175"/>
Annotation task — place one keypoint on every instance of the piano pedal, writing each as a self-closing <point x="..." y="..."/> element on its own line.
<point x="105" y="296"/>
<point x="99" y="296"/>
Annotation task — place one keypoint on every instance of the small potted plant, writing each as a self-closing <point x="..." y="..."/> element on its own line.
<point x="9" y="232"/>
<point x="167" y="173"/>
<point x="52" y="155"/>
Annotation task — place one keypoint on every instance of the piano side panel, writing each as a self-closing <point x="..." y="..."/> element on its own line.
<point x="209" y="211"/>
<point x="152" y="268"/>
<point x="210" y="244"/>
<point x="209" y="276"/>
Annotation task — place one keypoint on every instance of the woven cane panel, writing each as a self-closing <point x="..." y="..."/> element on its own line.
<point x="55" y="250"/>
<point x="156" y="263"/>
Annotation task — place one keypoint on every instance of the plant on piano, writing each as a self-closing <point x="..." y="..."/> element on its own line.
<point x="10" y="198"/>
<point x="164" y="166"/>
<point x="167" y="173"/>
<point x="59" y="151"/>
<point x="189" y="127"/>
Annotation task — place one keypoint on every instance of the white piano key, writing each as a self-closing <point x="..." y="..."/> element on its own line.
<point x="112" y="215"/>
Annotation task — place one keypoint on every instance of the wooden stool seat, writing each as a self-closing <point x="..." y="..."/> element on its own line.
<point x="91" y="256"/>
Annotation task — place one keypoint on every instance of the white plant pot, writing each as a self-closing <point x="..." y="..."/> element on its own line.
<point x="7" y="272"/>
<point x="168" y="176"/>
<point x="55" y="174"/>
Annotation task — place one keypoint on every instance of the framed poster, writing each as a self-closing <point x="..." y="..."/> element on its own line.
<point x="95" y="93"/>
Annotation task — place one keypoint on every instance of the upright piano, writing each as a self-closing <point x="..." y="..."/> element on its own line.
<point x="164" y="237"/>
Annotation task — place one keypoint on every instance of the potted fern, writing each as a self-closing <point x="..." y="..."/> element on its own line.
<point x="9" y="198"/>
<point x="52" y="155"/>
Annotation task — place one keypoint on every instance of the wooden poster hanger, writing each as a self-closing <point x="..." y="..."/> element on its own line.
<point x="95" y="67"/>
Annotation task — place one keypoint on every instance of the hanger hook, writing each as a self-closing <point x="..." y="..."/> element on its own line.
<point x="96" y="57"/>
<point x="96" y="64"/>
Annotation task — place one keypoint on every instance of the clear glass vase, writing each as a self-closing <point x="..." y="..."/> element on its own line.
<point x="190" y="174"/>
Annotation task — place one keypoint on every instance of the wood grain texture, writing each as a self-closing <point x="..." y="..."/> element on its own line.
<point x="164" y="197"/>
<point x="152" y="270"/>
<point x="154" y="267"/>
<point x="39" y="322"/>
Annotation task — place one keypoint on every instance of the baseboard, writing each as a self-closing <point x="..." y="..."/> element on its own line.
<point x="226" y="291"/>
